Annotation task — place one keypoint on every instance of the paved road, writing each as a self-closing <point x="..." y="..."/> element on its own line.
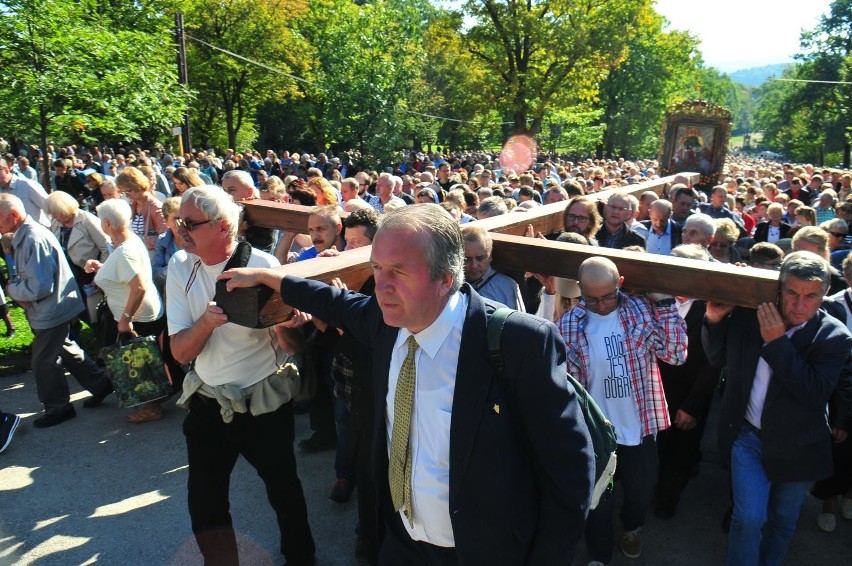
<point x="98" y="490"/>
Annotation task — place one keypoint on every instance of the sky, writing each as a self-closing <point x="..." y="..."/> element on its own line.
<point x="739" y="34"/>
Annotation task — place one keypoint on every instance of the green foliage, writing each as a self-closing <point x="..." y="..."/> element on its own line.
<point x="548" y="54"/>
<point x="231" y="89"/>
<point x="102" y="74"/>
<point x="811" y="121"/>
<point x="634" y="96"/>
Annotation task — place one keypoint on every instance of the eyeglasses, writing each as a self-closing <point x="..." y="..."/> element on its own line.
<point x="188" y="225"/>
<point x="591" y="302"/>
<point x="838" y="234"/>
<point x="617" y="208"/>
<point x="575" y="218"/>
<point x="720" y="245"/>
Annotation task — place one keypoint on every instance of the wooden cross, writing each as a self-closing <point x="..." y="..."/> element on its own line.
<point x="743" y="286"/>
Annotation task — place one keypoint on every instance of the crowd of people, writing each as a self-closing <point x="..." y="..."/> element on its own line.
<point x="450" y="466"/>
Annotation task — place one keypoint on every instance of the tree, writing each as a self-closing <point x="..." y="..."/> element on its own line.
<point x="634" y="96"/>
<point x="547" y="54"/>
<point x="360" y="80"/>
<point x="100" y="74"/>
<point x="811" y="121"/>
<point x="230" y="89"/>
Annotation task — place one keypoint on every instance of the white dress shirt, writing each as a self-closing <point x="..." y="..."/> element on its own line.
<point x="436" y="362"/>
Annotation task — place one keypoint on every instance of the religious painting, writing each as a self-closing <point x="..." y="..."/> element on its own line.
<point x="695" y="140"/>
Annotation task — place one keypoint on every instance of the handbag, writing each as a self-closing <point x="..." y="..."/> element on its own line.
<point x="135" y="367"/>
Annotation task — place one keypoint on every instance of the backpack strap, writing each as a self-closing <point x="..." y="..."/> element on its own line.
<point x="495" y="352"/>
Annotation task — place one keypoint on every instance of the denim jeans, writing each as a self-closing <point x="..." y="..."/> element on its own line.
<point x="765" y="512"/>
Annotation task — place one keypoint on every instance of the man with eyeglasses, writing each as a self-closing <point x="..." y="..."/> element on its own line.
<point x="614" y="232"/>
<point x="614" y="342"/>
<point x="240" y="390"/>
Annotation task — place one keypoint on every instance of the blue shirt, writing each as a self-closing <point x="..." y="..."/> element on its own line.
<point x="659" y="243"/>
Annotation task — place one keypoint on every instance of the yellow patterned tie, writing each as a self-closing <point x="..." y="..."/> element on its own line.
<point x="399" y="472"/>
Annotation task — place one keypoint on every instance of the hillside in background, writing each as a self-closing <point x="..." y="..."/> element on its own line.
<point x="756" y="76"/>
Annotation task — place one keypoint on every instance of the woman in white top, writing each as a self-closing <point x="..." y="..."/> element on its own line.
<point x="127" y="281"/>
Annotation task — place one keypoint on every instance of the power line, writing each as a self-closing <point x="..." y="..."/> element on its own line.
<point x="812" y="81"/>
<point x="306" y="81"/>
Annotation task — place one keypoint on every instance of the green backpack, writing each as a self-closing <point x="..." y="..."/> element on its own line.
<point x="600" y="428"/>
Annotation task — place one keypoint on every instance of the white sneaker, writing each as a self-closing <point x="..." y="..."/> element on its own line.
<point x="827" y="522"/>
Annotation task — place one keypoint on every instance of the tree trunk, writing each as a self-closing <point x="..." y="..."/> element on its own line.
<point x="46" y="164"/>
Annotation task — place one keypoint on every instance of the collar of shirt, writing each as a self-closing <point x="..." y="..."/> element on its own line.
<point x="430" y="338"/>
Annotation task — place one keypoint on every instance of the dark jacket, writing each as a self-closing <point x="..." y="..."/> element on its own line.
<point x="626" y="238"/>
<point x="517" y="494"/>
<point x="761" y="232"/>
<point x="794" y="428"/>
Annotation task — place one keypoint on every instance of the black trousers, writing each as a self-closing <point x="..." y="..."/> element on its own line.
<point x="266" y="442"/>
<point x="679" y="452"/>
<point x="637" y="472"/>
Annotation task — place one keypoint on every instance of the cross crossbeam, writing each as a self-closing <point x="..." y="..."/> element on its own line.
<point x="642" y="272"/>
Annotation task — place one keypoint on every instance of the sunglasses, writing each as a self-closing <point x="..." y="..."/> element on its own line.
<point x="189" y="226"/>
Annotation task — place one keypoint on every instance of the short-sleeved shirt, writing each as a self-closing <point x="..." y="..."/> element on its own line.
<point x="234" y="354"/>
<point x="122" y="265"/>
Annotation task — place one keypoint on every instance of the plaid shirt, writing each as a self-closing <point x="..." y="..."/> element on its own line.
<point x="650" y="333"/>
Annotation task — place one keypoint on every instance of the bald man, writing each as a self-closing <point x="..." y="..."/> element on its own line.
<point x="614" y="342"/>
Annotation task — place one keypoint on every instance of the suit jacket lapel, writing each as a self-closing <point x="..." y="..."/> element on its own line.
<point x="800" y="339"/>
<point x="473" y="382"/>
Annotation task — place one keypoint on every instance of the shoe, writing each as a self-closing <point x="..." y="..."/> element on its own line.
<point x="596" y="563"/>
<point x="846" y="507"/>
<point x="630" y="544"/>
<point x="97" y="398"/>
<point x="316" y="444"/>
<point x="342" y="491"/>
<point x="827" y="522"/>
<point x="304" y="562"/>
<point x="149" y="412"/>
<point x="8" y="424"/>
<point x="52" y="419"/>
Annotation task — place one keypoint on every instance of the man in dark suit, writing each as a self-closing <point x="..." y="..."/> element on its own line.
<point x="664" y="234"/>
<point x="783" y="364"/>
<point x="489" y="476"/>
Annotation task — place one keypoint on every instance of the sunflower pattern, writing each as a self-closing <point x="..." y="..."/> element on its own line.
<point x="137" y="372"/>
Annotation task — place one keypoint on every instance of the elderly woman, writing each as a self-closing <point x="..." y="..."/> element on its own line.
<point x="79" y="233"/>
<point x="147" y="219"/>
<point x="722" y="246"/>
<point x="125" y="278"/>
<point x="167" y="244"/>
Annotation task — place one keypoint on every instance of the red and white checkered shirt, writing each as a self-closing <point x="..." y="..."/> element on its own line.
<point x="650" y="333"/>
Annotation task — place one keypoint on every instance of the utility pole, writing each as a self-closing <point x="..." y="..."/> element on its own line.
<point x="182" y="75"/>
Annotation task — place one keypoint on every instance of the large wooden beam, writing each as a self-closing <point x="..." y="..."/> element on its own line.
<point x="545" y="219"/>
<point x="643" y="272"/>
<point x="720" y="282"/>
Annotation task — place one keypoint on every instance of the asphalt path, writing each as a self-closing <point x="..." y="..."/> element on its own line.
<point x="99" y="490"/>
